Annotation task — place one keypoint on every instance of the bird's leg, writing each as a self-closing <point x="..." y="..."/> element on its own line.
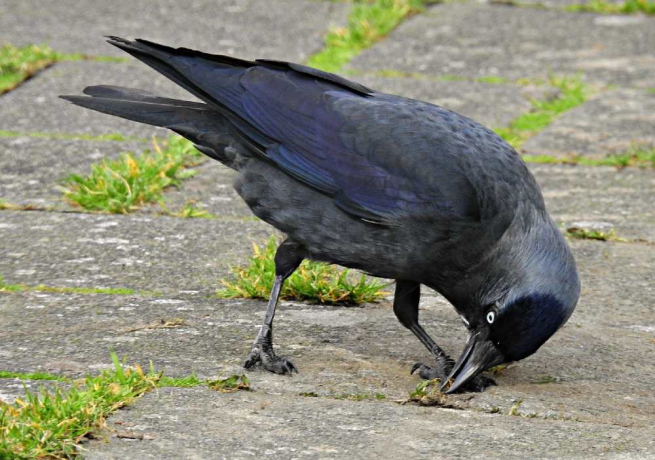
<point x="405" y="306"/>
<point x="287" y="258"/>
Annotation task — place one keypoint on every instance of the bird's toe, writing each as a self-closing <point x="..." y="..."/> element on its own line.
<point x="428" y="372"/>
<point x="252" y="359"/>
<point x="480" y="383"/>
<point x="279" y="365"/>
<point x="269" y="361"/>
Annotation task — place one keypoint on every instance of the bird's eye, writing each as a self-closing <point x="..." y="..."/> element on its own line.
<point x="491" y="316"/>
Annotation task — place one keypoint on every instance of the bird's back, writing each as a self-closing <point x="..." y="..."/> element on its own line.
<point x="363" y="179"/>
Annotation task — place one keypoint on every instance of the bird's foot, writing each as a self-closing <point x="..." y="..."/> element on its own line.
<point x="265" y="356"/>
<point x="444" y="365"/>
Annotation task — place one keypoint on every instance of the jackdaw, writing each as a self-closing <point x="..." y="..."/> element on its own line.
<point x="391" y="186"/>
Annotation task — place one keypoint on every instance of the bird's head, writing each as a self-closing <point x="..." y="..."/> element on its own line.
<point x="529" y="308"/>
<point x="508" y="332"/>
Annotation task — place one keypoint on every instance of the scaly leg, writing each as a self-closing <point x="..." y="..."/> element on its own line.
<point x="405" y="306"/>
<point x="287" y="258"/>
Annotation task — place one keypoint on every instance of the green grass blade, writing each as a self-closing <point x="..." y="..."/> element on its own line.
<point x="312" y="281"/>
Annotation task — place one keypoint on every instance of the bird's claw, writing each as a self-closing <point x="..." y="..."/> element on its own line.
<point x="442" y="370"/>
<point x="270" y="362"/>
<point x="429" y="373"/>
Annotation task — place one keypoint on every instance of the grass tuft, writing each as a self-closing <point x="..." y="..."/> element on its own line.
<point x="17" y="64"/>
<point x="313" y="281"/>
<point x="124" y="185"/>
<point x="605" y="7"/>
<point x="53" y="424"/>
<point x="20" y="63"/>
<point x="572" y="93"/>
<point x="368" y="22"/>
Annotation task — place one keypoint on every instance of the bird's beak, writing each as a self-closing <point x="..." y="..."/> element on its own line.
<point x="479" y="354"/>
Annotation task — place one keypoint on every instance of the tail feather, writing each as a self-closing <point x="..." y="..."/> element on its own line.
<point x="159" y="58"/>
<point x="137" y="95"/>
<point x="206" y="128"/>
<point x="222" y="73"/>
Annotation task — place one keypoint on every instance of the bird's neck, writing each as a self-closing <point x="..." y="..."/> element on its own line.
<point x="531" y="252"/>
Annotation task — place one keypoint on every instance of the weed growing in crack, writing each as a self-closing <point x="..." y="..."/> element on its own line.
<point x="133" y="181"/>
<point x="313" y="281"/>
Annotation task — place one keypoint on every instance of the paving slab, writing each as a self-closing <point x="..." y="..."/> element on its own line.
<point x="35" y="106"/>
<point x="32" y="169"/>
<point x="474" y="40"/>
<point x="602" y="198"/>
<point x="285" y="29"/>
<point x="200" y="424"/>
<point x="12" y="389"/>
<point x="551" y="3"/>
<point x="138" y="252"/>
<point x="610" y="123"/>
<point x="597" y="369"/>
<point x="211" y="190"/>
<point x="493" y="105"/>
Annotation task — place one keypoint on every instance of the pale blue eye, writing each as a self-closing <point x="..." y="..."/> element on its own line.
<point x="491" y="316"/>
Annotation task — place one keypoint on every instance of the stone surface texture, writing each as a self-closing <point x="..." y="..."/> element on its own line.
<point x="586" y="394"/>
<point x="477" y="40"/>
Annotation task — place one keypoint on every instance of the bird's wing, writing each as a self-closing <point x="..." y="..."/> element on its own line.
<point x="375" y="154"/>
<point x="380" y="157"/>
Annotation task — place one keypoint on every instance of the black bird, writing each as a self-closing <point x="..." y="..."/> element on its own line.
<point x="395" y="187"/>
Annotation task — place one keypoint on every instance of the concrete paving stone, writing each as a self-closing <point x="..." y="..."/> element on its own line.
<point x="12" y="389"/>
<point x="552" y="3"/>
<point x="597" y="369"/>
<point x="474" y="40"/>
<point x="211" y="190"/>
<point x="283" y="29"/>
<point x="601" y="198"/>
<point x="139" y="252"/>
<point x="200" y="424"/>
<point x="32" y="169"/>
<point x="32" y="172"/>
<point x="35" y="106"/>
<point x="592" y="197"/>
<point x="489" y="104"/>
<point x="610" y="123"/>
